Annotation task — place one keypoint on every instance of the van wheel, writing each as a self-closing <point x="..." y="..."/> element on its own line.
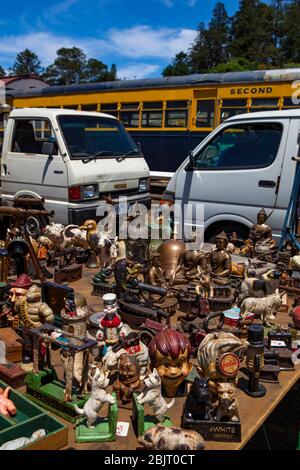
<point x="212" y="231"/>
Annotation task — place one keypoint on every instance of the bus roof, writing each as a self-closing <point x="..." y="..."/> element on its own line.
<point x="253" y="76"/>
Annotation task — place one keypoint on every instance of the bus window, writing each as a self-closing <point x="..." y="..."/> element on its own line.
<point x="71" y="106"/>
<point x="109" y="108"/>
<point x="129" y="114"/>
<point x="176" y="114"/>
<point x="264" y="104"/>
<point x="233" y="108"/>
<point x="288" y="103"/>
<point x="152" y="115"/>
<point x="205" y="116"/>
<point x="89" y="107"/>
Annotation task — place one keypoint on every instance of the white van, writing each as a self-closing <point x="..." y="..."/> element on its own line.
<point x="244" y="164"/>
<point x="71" y="159"/>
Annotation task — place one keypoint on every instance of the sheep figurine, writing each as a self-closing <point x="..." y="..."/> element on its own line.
<point x="263" y="308"/>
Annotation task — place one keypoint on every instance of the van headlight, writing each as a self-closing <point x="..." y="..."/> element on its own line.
<point x="144" y="185"/>
<point x="90" y="191"/>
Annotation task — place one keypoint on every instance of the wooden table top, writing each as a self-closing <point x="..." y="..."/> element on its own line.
<point x="253" y="411"/>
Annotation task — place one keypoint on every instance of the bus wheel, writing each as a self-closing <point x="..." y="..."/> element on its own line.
<point x="228" y="227"/>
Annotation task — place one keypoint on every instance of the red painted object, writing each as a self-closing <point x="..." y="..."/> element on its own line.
<point x="296" y="317"/>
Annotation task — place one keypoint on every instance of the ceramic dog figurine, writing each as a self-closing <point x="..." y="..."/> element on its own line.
<point x="152" y="395"/>
<point x="97" y="399"/>
<point x="198" y="403"/>
<point x="170" y="438"/>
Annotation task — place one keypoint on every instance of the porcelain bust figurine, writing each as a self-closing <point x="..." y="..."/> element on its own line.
<point x="169" y="354"/>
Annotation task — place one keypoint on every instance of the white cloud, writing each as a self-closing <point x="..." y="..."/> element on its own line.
<point x="144" y="41"/>
<point x="55" y="11"/>
<point x="135" y="43"/>
<point x="137" y="70"/>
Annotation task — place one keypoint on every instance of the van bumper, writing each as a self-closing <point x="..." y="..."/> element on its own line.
<point x="79" y="215"/>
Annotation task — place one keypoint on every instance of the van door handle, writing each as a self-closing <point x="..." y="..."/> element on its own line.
<point x="4" y="166"/>
<point x="266" y="184"/>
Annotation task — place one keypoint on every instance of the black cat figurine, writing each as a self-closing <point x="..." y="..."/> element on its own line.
<point x="198" y="402"/>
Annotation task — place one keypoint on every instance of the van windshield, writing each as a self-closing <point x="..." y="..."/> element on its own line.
<point x="96" y="137"/>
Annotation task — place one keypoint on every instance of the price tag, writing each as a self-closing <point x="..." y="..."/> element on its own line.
<point x="277" y="344"/>
<point x="122" y="429"/>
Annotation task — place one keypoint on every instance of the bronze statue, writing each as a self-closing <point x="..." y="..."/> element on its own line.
<point x="220" y="261"/>
<point x="170" y="251"/>
<point x="191" y="265"/>
<point x="261" y="234"/>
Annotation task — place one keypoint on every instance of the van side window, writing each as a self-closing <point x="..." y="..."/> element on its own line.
<point x="30" y="134"/>
<point x="241" y="146"/>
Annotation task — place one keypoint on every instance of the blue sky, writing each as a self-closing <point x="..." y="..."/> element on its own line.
<point x="139" y="36"/>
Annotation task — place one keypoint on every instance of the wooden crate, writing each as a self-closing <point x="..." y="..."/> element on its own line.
<point x="14" y="344"/>
<point x="30" y="418"/>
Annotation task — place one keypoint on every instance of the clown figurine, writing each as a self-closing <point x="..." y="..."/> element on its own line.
<point x="110" y="325"/>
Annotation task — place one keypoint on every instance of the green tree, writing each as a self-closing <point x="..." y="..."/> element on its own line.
<point x="210" y="47"/>
<point x="95" y="71"/>
<point x="253" y="33"/>
<point x="291" y="36"/>
<point x="68" y="68"/>
<point x="234" y="65"/>
<point x="2" y="72"/>
<point x="180" y="65"/>
<point x="26" y="63"/>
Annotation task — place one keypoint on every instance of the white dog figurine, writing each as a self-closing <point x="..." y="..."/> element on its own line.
<point x="152" y="395"/>
<point x="97" y="399"/>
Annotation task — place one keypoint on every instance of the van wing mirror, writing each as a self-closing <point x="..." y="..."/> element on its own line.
<point x="48" y="149"/>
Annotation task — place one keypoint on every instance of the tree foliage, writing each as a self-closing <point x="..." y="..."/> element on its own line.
<point x="26" y="63"/>
<point x="2" y="72"/>
<point x="72" y="66"/>
<point x="260" y="35"/>
<point x="181" y="65"/>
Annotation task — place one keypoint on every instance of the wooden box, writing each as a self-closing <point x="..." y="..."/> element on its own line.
<point x="30" y="418"/>
<point x="14" y="344"/>
<point x="12" y="374"/>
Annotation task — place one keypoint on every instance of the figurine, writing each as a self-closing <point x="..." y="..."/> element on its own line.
<point x="63" y="238"/>
<point x="170" y="252"/>
<point x="198" y="403"/>
<point x="38" y="311"/>
<point x="103" y="275"/>
<point x="7" y="407"/>
<point x="90" y="226"/>
<point x="23" y="441"/>
<point x="226" y="405"/>
<point x="128" y="380"/>
<point x="130" y="344"/>
<point x="255" y="361"/>
<point x="154" y="275"/>
<point x="220" y="261"/>
<point x="263" y="286"/>
<point x="152" y="395"/>
<point x="264" y="308"/>
<point x="191" y="264"/>
<point x="160" y="437"/>
<point x="169" y="353"/>
<point x="97" y="399"/>
<point x="110" y="326"/>
<point x="23" y="311"/>
<point x="261" y="235"/>
<point x="219" y="356"/>
<point x="100" y="244"/>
